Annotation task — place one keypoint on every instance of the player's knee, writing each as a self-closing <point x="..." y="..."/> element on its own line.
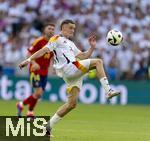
<point x="38" y="93"/>
<point x="72" y="105"/>
<point x="75" y="90"/>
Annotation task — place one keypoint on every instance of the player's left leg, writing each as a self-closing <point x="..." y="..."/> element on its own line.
<point x="85" y="65"/>
<point x="98" y="64"/>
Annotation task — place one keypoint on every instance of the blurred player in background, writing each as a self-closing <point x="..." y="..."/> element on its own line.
<point x="70" y="69"/>
<point x="38" y="70"/>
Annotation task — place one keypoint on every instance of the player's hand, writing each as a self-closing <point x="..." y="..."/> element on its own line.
<point x="35" y="66"/>
<point x="92" y="40"/>
<point x="24" y="63"/>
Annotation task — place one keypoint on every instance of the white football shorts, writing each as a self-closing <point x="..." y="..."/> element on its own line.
<point x="73" y="73"/>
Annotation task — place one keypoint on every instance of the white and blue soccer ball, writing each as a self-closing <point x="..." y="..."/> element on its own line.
<point x="114" y="37"/>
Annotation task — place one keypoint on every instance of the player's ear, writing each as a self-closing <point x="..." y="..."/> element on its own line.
<point x="62" y="28"/>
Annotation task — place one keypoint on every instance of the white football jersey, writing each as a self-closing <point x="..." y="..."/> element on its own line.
<point x="64" y="51"/>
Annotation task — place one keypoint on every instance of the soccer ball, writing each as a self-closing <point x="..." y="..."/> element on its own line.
<point x="114" y="37"/>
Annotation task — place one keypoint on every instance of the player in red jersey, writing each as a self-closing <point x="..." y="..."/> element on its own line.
<point x="38" y="71"/>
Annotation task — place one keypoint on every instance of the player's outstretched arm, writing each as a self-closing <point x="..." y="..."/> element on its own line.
<point x="88" y="53"/>
<point x="36" y="55"/>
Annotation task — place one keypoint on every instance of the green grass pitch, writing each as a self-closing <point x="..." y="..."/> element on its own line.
<point x="94" y="122"/>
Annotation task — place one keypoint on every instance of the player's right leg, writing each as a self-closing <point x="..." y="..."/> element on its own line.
<point x="35" y="96"/>
<point x="65" y="109"/>
<point x="71" y="103"/>
<point x="31" y="101"/>
<point x="98" y="64"/>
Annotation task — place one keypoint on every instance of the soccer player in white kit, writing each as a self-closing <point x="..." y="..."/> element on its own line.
<point x="70" y="69"/>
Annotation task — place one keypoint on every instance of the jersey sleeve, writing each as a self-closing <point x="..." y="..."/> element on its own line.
<point x="76" y="50"/>
<point x="52" y="43"/>
<point x="33" y="48"/>
<point x="35" y="45"/>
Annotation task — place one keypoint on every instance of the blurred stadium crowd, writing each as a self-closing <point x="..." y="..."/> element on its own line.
<point x="21" y="22"/>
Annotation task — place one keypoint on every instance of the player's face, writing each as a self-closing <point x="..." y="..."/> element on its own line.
<point x="68" y="30"/>
<point x="49" y="30"/>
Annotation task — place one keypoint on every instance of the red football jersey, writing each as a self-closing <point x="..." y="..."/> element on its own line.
<point x="43" y="61"/>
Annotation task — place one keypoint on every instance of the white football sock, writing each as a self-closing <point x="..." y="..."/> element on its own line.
<point x="54" y="119"/>
<point x="105" y="84"/>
